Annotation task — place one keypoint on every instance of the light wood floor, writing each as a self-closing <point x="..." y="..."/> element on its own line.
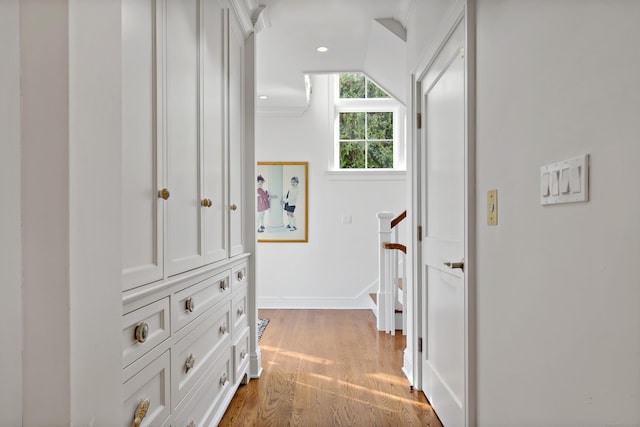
<point x="328" y="368"/>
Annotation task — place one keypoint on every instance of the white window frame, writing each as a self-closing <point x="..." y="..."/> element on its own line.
<point x="372" y="105"/>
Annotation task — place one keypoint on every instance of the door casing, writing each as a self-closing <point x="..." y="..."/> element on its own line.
<point x="463" y="11"/>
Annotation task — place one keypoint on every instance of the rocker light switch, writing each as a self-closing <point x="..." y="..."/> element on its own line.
<point x="566" y="181"/>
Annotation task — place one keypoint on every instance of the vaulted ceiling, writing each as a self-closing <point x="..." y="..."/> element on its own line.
<point x="286" y="46"/>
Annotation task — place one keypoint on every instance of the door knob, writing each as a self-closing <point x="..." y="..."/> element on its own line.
<point x="459" y="265"/>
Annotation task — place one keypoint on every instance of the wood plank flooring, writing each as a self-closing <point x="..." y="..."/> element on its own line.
<point x="328" y="368"/>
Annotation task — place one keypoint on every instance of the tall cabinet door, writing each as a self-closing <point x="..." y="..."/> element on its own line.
<point x="142" y="155"/>
<point x="236" y="137"/>
<point x="184" y="220"/>
<point x="213" y="144"/>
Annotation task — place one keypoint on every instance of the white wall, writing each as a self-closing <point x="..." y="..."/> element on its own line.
<point x="558" y="288"/>
<point x="71" y="211"/>
<point x="10" y="245"/>
<point x="95" y="211"/>
<point x="386" y="60"/>
<point x="557" y="291"/>
<point x="338" y="265"/>
<point x="425" y="24"/>
<point x="45" y="211"/>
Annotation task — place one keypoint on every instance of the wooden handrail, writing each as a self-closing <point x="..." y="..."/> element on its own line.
<point x="397" y="246"/>
<point x="399" y="218"/>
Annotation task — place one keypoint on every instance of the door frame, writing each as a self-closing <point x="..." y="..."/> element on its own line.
<point x="462" y="11"/>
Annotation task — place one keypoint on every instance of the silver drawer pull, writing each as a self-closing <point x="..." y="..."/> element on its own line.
<point x="190" y="363"/>
<point x="224" y="379"/>
<point x="223" y="285"/>
<point x="243" y="354"/>
<point x="240" y="311"/>
<point x="142" y="332"/>
<point x="190" y="305"/>
<point x="191" y="424"/>
<point x="141" y="412"/>
<point x="240" y="275"/>
<point x="224" y="328"/>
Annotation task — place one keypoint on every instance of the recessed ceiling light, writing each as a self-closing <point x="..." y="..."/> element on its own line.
<point x="263" y="97"/>
<point x="322" y="49"/>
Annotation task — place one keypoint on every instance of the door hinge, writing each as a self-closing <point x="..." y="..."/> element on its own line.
<point x="419" y="120"/>
<point x="419" y="345"/>
<point x="419" y="233"/>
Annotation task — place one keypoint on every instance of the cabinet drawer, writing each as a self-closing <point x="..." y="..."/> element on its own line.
<point x="194" y="300"/>
<point x="241" y="355"/>
<point x="152" y="384"/>
<point x="238" y="276"/>
<point x="206" y="402"/>
<point x="239" y="309"/>
<point x="143" y="329"/>
<point x="194" y="354"/>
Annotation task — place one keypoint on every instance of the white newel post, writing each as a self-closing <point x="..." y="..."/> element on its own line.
<point x="384" y="290"/>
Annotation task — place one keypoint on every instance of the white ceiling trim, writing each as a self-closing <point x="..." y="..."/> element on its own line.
<point x="282" y="111"/>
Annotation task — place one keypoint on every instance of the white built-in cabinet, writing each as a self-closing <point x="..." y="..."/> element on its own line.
<point x="182" y="137"/>
<point x="185" y="275"/>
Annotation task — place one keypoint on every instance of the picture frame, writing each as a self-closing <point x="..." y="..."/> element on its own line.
<point x="282" y="192"/>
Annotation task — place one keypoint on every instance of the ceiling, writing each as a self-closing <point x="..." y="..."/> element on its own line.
<point x="286" y="46"/>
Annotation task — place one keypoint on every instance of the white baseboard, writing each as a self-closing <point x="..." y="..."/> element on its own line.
<point x="363" y="303"/>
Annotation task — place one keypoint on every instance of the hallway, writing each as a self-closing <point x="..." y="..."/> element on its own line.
<point x="328" y="368"/>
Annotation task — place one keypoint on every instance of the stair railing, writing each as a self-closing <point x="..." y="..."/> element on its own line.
<point x="391" y="273"/>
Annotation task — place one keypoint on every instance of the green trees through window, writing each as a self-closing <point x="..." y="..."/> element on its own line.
<point x="359" y="86"/>
<point x="365" y="137"/>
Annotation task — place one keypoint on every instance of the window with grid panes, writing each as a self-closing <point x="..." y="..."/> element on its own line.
<point x="367" y="117"/>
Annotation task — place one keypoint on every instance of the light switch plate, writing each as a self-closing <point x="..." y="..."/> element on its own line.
<point x="492" y="207"/>
<point x="566" y="181"/>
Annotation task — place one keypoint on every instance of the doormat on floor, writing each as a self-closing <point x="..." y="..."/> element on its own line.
<point x="262" y="324"/>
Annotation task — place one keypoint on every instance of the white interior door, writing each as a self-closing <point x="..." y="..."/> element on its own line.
<point x="443" y="307"/>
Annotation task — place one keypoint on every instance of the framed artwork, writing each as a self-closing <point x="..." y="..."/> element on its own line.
<point x="282" y="192"/>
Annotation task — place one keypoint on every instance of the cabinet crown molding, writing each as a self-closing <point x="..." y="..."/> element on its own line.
<point x="245" y="9"/>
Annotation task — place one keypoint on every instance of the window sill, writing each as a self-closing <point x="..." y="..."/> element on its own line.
<point x="366" y="175"/>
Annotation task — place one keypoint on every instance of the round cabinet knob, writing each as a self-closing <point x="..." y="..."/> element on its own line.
<point x="243" y="354"/>
<point x="190" y="363"/>
<point x="240" y="311"/>
<point x="224" y="328"/>
<point x="164" y="194"/>
<point x="223" y="379"/>
<point x="142" y="332"/>
<point x="207" y="203"/>
<point x="234" y="207"/>
<point x="190" y="305"/>
<point x="191" y="424"/>
<point x="240" y="275"/>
